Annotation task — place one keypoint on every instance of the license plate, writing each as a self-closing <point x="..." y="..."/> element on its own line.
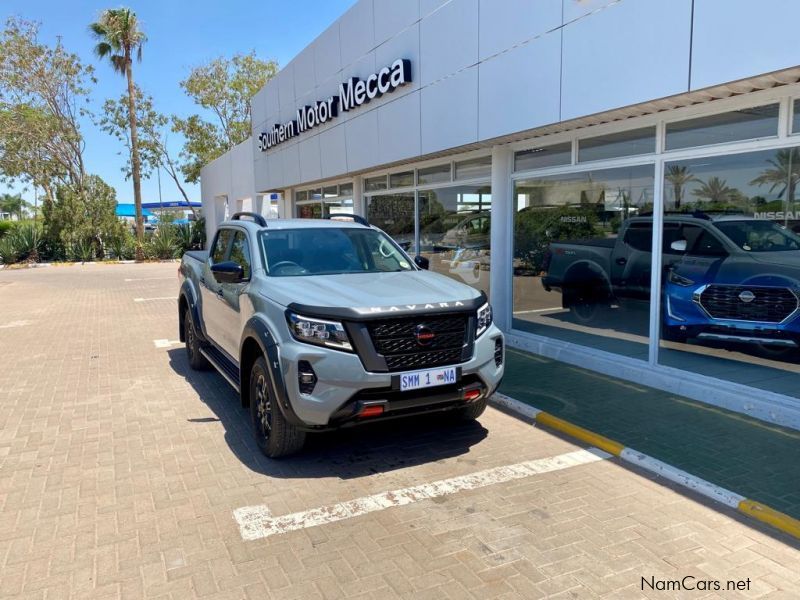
<point x="428" y="378"/>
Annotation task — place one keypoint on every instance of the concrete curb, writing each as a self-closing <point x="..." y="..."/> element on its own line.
<point x="751" y="508"/>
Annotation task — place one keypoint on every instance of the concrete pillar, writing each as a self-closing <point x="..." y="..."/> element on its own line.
<point x="502" y="236"/>
<point x="359" y="204"/>
<point x="286" y="204"/>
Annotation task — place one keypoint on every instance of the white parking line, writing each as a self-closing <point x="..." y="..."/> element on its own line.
<point x="166" y="343"/>
<point x="151" y="299"/>
<point x="13" y="324"/>
<point x="256" y="522"/>
<point x="148" y="278"/>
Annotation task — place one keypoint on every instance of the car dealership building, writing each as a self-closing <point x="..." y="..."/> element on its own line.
<point x="629" y="145"/>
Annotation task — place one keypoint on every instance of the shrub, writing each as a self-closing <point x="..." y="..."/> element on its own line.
<point x="163" y="243"/>
<point x="122" y="246"/>
<point x="6" y="227"/>
<point x="27" y="238"/>
<point x="8" y="251"/>
<point x="81" y="250"/>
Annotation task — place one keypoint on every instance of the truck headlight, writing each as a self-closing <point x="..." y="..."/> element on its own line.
<point x="673" y="277"/>
<point x="484" y="319"/>
<point x="330" y="334"/>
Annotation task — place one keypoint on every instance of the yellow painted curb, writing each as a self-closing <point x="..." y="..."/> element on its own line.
<point x="770" y="516"/>
<point x="580" y="433"/>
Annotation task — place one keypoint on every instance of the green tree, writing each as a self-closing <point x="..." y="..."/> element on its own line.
<point x="120" y="38"/>
<point x="223" y="88"/>
<point x="783" y="172"/>
<point x="13" y="204"/>
<point x="152" y="129"/>
<point x="44" y="90"/>
<point x="86" y="217"/>
<point x="679" y="176"/>
<point x="715" y="190"/>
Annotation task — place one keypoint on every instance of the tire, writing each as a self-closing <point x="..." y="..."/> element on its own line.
<point x="585" y="306"/>
<point x="197" y="361"/>
<point x="274" y="435"/>
<point x="473" y="410"/>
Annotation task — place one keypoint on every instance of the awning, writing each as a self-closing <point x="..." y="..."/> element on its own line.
<point x="129" y="210"/>
<point x="172" y="204"/>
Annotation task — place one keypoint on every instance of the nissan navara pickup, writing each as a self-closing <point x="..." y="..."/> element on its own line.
<point x="320" y="324"/>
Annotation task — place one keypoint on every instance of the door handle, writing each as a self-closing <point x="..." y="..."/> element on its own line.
<point x="621" y="260"/>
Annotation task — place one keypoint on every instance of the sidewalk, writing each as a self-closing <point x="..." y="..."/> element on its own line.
<point x="753" y="458"/>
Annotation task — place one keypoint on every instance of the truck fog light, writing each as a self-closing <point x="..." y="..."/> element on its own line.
<point x="306" y="378"/>
<point x="498" y="351"/>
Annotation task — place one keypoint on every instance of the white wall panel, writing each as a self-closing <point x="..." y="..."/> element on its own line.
<point x="305" y="79"/>
<point x="286" y="97"/>
<point x="258" y="108"/>
<point x="310" y="163"/>
<point x="327" y="54"/>
<point x="532" y="99"/>
<point x="357" y="32"/>
<point x="291" y="165"/>
<point x="404" y="45"/>
<point x="271" y="102"/>
<point x="449" y="40"/>
<point x="627" y="53"/>
<point x="426" y="7"/>
<point x="392" y="16"/>
<point x="361" y="133"/>
<point x="333" y="151"/>
<point x="399" y="128"/>
<point x="450" y="112"/>
<point x="734" y="39"/>
<point x="504" y="23"/>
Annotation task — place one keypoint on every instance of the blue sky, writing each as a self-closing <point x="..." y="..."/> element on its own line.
<point x="181" y="35"/>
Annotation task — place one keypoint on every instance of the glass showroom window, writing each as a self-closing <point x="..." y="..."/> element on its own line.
<point x="731" y="259"/>
<point x="617" y="145"/>
<point x="581" y="272"/>
<point x="320" y="203"/>
<point x="394" y="213"/>
<point x="454" y="228"/>
<point x="737" y="125"/>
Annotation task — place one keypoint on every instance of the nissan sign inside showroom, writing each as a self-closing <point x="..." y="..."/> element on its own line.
<point x="352" y="94"/>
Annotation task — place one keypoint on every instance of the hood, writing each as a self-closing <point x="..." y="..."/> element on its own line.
<point x="368" y="290"/>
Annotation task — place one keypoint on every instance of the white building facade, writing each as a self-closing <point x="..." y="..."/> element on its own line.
<point x="508" y="139"/>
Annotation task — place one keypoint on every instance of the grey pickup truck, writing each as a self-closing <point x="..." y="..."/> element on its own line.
<point x="320" y="324"/>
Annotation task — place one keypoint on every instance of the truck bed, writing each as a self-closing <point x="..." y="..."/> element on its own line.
<point x="199" y="255"/>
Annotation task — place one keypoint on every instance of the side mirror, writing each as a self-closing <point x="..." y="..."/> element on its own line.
<point x="228" y="272"/>
<point x="678" y="245"/>
<point x="422" y="262"/>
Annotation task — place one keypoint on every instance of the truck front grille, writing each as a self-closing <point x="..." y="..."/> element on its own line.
<point x="748" y="303"/>
<point x="398" y="341"/>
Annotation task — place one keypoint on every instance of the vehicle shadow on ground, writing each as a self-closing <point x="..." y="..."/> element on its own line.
<point x="348" y="453"/>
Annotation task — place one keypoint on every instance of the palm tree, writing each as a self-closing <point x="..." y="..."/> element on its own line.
<point x="13" y="204"/>
<point x="679" y="176"/>
<point x="715" y="190"/>
<point x="119" y="38"/>
<point x="784" y="171"/>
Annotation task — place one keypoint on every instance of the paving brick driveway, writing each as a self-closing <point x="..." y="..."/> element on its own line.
<point x="120" y="470"/>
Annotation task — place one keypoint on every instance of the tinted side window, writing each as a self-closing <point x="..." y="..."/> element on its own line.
<point x="639" y="236"/>
<point x="674" y="232"/>
<point x="708" y="245"/>
<point x="221" y="245"/>
<point x="240" y="252"/>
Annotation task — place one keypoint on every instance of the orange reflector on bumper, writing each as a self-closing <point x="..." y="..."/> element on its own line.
<point x="471" y="395"/>
<point x="371" y="411"/>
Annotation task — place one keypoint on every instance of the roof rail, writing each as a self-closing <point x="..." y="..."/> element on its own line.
<point x="356" y="218"/>
<point x="259" y="219"/>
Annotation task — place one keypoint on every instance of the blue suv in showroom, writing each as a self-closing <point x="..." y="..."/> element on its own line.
<point x="731" y="278"/>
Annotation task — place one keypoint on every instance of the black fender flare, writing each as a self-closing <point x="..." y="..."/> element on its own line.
<point x="256" y="329"/>
<point x="187" y="292"/>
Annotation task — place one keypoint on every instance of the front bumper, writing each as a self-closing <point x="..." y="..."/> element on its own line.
<point x="343" y="385"/>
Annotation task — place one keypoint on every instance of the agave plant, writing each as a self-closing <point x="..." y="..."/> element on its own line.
<point x="8" y="250"/>
<point x="27" y="239"/>
<point x="122" y="246"/>
<point x="164" y="243"/>
<point x="185" y="236"/>
<point x="82" y="250"/>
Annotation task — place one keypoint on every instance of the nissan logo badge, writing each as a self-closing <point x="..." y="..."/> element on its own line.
<point x="747" y="296"/>
<point x="424" y="335"/>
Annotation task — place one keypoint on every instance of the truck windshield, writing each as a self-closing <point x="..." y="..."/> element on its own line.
<point x="329" y="251"/>
<point x="759" y="236"/>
